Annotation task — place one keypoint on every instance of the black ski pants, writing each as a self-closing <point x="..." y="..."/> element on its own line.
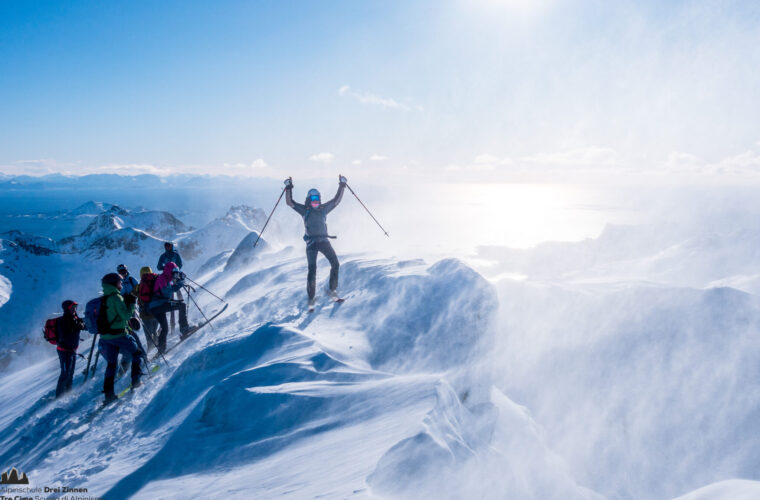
<point x="68" y="360"/>
<point x="160" y="314"/>
<point x="312" y="248"/>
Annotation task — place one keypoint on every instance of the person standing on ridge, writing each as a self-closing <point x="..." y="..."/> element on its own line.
<point x="69" y="326"/>
<point x="167" y="283"/>
<point x="150" y="323"/>
<point x="112" y="326"/>
<point x="128" y="287"/>
<point x="314" y="214"/>
<point x="170" y="255"/>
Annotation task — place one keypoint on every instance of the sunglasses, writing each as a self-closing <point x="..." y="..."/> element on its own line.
<point x="314" y="197"/>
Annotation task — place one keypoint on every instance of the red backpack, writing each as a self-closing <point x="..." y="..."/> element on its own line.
<point x="145" y="289"/>
<point x="51" y="331"/>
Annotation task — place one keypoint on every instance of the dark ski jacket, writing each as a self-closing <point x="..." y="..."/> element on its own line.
<point x="117" y="312"/>
<point x="69" y="326"/>
<point x="170" y="256"/>
<point x="314" y="219"/>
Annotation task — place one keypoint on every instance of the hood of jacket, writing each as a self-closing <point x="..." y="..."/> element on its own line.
<point x="110" y="290"/>
<point x="166" y="276"/>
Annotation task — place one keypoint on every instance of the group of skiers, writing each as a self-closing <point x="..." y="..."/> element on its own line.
<point x="125" y="300"/>
<point x="115" y="318"/>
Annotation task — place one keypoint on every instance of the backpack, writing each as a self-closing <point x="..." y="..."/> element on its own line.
<point x="104" y="326"/>
<point x="96" y="317"/>
<point x="145" y="289"/>
<point x="51" y="331"/>
<point x="91" y="315"/>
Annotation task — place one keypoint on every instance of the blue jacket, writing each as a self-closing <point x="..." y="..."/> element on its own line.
<point x="170" y="256"/>
<point x="128" y="285"/>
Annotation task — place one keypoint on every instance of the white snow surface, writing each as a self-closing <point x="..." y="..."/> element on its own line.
<point x="387" y="394"/>
<point x="623" y="367"/>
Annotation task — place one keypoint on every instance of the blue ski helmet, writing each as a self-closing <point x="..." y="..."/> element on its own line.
<point x="312" y="193"/>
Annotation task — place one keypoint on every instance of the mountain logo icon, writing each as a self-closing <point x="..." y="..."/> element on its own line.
<point x="11" y="477"/>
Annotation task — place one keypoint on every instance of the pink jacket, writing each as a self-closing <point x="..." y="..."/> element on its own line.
<point x="165" y="277"/>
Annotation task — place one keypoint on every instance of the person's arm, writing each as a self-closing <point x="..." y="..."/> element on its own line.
<point x="161" y="262"/>
<point x="179" y="259"/>
<point x="121" y="310"/>
<point x="330" y="205"/>
<point x="298" y="207"/>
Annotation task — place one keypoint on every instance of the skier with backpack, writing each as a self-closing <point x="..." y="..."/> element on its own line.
<point x="144" y="296"/>
<point x="169" y="281"/>
<point x="314" y="214"/>
<point x="63" y="332"/>
<point x="114" y="314"/>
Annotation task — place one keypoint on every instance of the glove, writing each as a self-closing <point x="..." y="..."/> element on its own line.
<point x="288" y="183"/>
<point x="342" y="180"/>
<point x="180" y="283"/>
<point x="130" y="299"/>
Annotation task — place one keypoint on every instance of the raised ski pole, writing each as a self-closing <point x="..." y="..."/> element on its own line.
<point x="204" y="288"/>
<point x="367" y="209"/>
<point x="89" y="358"/>
<point x="187" y="289"/>
<point x="270" y="216"/>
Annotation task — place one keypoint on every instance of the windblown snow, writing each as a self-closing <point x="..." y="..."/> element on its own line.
<point x="430" y="381"/>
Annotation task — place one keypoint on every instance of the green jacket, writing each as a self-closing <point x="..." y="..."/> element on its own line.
<point x="117" y="311"/>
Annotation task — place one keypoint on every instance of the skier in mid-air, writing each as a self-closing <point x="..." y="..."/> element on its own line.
<point x="314" y="214"/>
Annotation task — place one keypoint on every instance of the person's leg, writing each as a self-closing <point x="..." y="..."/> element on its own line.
<point x="160" y="314"/>
<point x="128" y="345"/>
<point x="327" y="250"/>
<point x="60" y="388"/>
<point x="71" y="364"/>
<point x="311" y="276"/>
<point x="149" y="328"/>
<point x="110" y="352"/>
<point x="182" y="308"/>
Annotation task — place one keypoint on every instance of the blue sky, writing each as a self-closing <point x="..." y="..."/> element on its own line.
<point x="479" y="88"/>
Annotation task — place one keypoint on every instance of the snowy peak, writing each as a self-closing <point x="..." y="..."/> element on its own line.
<point x="36" y="245"/>
<point x="245" y="252"/>
<point x="101" y="233"/>
<point x="90" y="208"/>
<point x="223" y="234"/>
<point x="252" y="218"/>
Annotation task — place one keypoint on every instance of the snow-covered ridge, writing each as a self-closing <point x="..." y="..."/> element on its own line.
<point x="363" y="387"/>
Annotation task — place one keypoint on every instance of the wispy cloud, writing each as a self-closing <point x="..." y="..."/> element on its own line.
<point x="378" y="158"/>
<point x="322" y="157"/>
<point x="588" y="156"/>
<point x="370" y="98"/>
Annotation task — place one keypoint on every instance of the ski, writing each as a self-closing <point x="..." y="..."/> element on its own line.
<point x="193" y="331"/>
<point x="153" y="370"/>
